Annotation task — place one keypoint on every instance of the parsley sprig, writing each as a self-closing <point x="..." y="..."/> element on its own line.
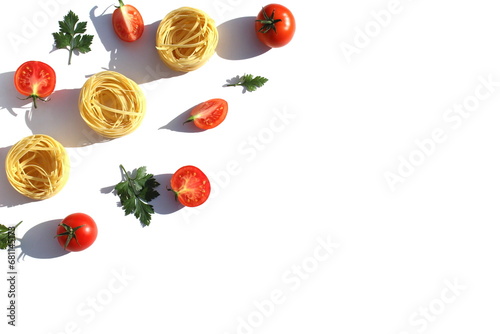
<point x="70" y="35"/>
<point x="135" y="192"/>
<point x="249" y="82"/>
<point x="7" y="235"/>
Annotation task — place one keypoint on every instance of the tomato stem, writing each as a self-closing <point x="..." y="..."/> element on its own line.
<point x="34" y="97"/>
<point x="268" y="23"/>
<point x="190" y="119"/>
<point x="121" y="4"/>
<point x="70" y="233"/>
<point x="176" y="194"/>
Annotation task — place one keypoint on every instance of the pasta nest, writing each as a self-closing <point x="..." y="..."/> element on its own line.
<point x="37" y="166"/>
<point x="186" y="38"/>
<point x="112" y="104"/>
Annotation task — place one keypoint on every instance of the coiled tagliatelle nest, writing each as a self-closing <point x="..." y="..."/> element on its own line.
<point x="186" y="38"/>
<point x="112" y="104"/>
<point x="37" y="166"/>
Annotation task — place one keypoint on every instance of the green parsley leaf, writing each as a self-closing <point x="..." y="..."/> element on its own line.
<point x="135" y="192"/>
<point x="7" y="235"/>
<point x="69" y="36"/>
<point x="250" y="82"/>
<point x="61" y="40"/>
<point x="81" y="27"/>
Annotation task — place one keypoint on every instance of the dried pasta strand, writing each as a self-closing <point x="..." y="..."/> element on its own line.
<point x="186" y="39"/>
<point x="37" y="166"/>
<point x="112" y="104"/>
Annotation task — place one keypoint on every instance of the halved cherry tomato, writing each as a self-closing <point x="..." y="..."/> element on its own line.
<point x="127" y="22"/>
<point x="35" y="79"/>
<point x="209" y="114"/>
<point x="190" y="185"/>
<point x="275" y="25"/>
<point x="76" y="232"/>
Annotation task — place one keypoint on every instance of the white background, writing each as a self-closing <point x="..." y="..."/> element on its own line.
<point x="300" y="160"/>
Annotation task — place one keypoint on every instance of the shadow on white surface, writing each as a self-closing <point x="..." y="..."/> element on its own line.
<point x="177" y="124"/>
<point x="9" y="197"/>
<point x="165" y="204"/>
<point x="39" y="242"/>
<point x="10" y="99"/>
<point x="234" y="81"/>
<point x="137" y="60"/>
<point x="60" y="118"/>
<point x="238" y="40"/>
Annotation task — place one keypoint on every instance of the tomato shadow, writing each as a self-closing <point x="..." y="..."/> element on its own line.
<point x="137" y="60"/>
<point x="9" y="196"/>
<point x="165" y="204"/>
<point x="39" y="242"/>
<point x="10" y="99"/>
<point x="237" y="39"/>
<point x="178" y="123"/>
<point x="60" y="118"/>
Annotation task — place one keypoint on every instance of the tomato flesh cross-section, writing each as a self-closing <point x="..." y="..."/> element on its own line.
<point x="190" y="185"/>
<point x="35" y="80"/>
<point x="127" y="22"/>
<point x="209" y="114"/>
